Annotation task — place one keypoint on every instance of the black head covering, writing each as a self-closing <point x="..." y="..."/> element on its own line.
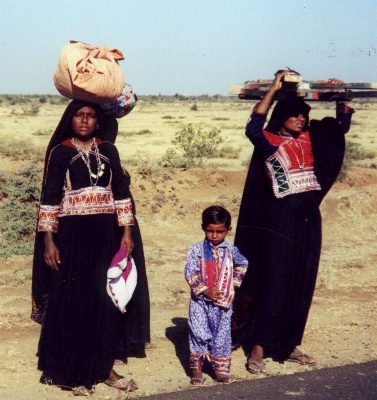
<point x="64" y="129"/>
<point x="107" y="125"/>
<point x="285" y="109"/>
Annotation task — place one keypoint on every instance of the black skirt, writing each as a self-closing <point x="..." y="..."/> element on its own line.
<point x="82" y="326"/>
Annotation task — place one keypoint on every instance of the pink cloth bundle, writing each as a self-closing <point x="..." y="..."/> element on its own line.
<point x="121" y="279"/>
<point x="89" y="73"/>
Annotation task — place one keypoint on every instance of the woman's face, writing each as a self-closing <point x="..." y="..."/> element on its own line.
<point x="294" y="124"/>
<point x="84" y="122"/>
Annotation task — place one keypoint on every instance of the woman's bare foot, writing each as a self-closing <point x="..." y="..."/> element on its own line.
<point x="298" y="357"/>
<point x="120" y="382"/>
<point x="113" y="376"/>
<point x="255" y="363"/>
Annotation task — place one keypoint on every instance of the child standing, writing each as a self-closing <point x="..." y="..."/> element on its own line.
<point x="213" y="268"/>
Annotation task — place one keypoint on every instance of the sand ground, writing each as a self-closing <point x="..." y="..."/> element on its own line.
<point x="342" y="322"/>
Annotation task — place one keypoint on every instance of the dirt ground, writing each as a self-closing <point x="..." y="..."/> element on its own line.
<point x="342" y="323"/>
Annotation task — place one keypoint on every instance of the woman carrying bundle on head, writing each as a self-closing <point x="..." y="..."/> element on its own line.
<point x="294" y="164"/>
<point x="85" y="215"/>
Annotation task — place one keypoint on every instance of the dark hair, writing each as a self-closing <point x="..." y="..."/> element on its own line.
<point x="216" y="215"/>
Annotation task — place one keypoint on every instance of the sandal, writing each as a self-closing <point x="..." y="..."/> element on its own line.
<point x="225" y="379"/>
<point x="81" y="391"/>
<point x="197" y="381"/>
<point x="122" y="384"/>
<point x="302" y="359"/>
<point x="255" y="367"/>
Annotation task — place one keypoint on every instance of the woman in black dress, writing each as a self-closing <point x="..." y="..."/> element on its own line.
<point x="85" y="215"/>
<point x="294" y="164"/>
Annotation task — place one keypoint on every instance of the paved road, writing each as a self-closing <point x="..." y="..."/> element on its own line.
<point x="351" y="382"/>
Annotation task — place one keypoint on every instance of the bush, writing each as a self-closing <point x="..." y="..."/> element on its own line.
<point x="18" y="211"/>
<point x="193" y="147"/>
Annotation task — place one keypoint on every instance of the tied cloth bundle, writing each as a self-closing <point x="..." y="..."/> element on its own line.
<point x="89" y="73"/>
<point x="121" y="279"/>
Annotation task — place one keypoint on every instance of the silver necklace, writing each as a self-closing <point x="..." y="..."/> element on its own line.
<point x="85" y="157"/>
<point x="297" y="143"/>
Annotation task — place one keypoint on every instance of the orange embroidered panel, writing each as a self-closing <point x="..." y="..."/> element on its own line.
<point x="123" y="210"/>
<point x="87" y="201"/>
<point x="48" y="218"/>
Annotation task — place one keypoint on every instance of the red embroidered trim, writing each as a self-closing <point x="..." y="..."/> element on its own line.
<point x="123" y="210"/>
<point x="196" y="284"/>
<point x="87" y="201"/>
<point x="291" y="167"/>
<point x="48" y="218"/>
<point x="196" y="360"/>
<point x="221" y="364"/>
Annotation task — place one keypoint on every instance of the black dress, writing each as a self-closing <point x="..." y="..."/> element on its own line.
<point x="80" y="325"/>
<point x="281" y="238"/>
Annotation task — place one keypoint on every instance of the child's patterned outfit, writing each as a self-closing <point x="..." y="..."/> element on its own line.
<point x="224" y="267"/>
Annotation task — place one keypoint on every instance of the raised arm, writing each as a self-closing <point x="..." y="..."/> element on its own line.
<point x="254" y="126"/>
<point x="344" y="115"/>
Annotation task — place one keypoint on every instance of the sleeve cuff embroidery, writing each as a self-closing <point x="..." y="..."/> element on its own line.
<point x="238" y="274"/>
<point x="124" y="212"/>
<point x="48" y="218"/>
<point x="196" y="284"/>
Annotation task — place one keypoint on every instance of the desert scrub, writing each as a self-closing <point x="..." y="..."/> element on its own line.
<point x="193" y="146"/>
<point x="228" y="151"/>
<point x="354" y="152"/>
<point x="18" y="210"/>
<point x="135" y="133"/>
<point x="41" y="132"/>
<point x="21" y="150"/>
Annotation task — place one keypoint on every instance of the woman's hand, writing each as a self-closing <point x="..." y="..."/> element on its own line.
<point x="265" y="104"/>
<point x="212" y="293"/>
<point x="127" y="240"/>
<point x="277" y="82"/>
<point x="51" y="253"/>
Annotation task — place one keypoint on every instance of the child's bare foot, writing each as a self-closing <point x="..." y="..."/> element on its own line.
<point x="225" y="378"/>
<point x="197" y="377"/>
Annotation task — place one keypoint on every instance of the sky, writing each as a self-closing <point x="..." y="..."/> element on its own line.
<point x="191" y="47"/>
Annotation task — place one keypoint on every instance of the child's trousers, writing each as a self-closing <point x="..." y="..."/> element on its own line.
<point x="210" y="335"/>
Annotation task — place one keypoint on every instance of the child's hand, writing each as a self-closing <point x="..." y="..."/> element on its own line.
<point x="212" y="293"/>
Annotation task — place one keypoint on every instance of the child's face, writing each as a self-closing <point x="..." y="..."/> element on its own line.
<point x="215" y="233"/>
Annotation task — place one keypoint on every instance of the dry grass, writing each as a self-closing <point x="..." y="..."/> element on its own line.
<point x="169" y="203"/>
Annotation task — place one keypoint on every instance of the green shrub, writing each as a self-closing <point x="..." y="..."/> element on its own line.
<point x="193" y="147"/>
<point x="18" y="211"/>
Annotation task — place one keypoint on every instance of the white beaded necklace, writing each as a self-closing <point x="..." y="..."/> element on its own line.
<point x="85" y="157"/>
